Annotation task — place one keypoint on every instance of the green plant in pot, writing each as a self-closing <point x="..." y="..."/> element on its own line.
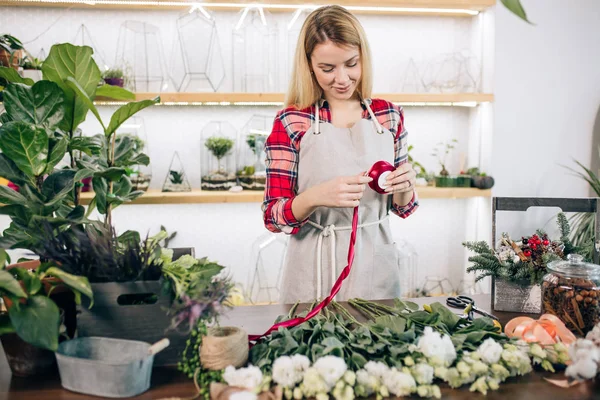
<point x="219" y="179"/>
<point x="32" y="67"/>
<point x="440" y="152"/>
<point x="30" y="328"/>
<point x="480" y="179"/>
<point x="40" y="129"/>
<point x="253" y="177"/>
<point x="10" y="50"/>
<point x="114" y="77"/>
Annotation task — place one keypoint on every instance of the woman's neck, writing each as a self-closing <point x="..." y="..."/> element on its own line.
<point x="349" y="104"/>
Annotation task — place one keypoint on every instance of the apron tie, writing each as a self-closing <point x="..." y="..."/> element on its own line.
<point x="329" y="231"/>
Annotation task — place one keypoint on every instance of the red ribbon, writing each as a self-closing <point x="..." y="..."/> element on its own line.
<point x="336" y="288"/>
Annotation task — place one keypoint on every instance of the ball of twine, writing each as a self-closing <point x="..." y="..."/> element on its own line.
<point x="224" y="346"/>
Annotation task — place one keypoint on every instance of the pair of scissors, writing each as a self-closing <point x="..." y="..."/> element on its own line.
<point x="465" y="302"/>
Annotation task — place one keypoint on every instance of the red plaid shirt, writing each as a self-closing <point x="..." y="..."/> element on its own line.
<point x="283" y="147"/>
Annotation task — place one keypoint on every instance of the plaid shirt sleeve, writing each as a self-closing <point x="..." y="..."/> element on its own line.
<point x="282" y="174"/>
<point x="392" y="117"/>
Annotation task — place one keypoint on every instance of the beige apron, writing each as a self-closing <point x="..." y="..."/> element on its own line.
<point x="318" y="252"/>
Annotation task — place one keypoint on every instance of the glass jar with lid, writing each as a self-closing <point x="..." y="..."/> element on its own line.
<point x="571" y="291"/>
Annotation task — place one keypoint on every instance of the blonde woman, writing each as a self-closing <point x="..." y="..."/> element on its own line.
<point x="325" y="139"/>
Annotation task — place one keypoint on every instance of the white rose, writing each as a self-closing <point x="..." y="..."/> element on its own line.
<point x="490" y="351"/>
<point x="376" y="368"/>
<point x="434" y="345"/>
<point x="301" y="363"/>
<point x="331" y="369"/>
<point x="284" y="372"/>
<point x="423" y="374"/>
<point x="249" y="378"/>
<point x="399" y="383"/>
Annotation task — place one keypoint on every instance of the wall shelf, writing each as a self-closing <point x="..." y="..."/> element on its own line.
<point x="203" y="196"/>
<point x="451" y="8"/>
<point x="276" y="99"/>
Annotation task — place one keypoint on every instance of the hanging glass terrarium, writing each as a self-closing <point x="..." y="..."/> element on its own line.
<point x="197" y="66"/>
<point x="218" y="161"/>
<point x="176" y="179"/>
<point x="255" y="56"/>
<point x="251" y="171"/>
<point x="139" y="174"/>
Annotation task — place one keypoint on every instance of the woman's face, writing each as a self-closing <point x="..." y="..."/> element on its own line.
<point x="337" y="69"/>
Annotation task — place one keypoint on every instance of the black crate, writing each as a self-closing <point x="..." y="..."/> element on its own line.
<point x="145" y="322"/>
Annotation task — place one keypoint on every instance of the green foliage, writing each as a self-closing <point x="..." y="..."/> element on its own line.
<point x="176" y="177"/>
<point x="516" y="8"/>
<point x="33" y="315"/>
<point x="386" y="336"/>
<point x="219" y="146"/>
<point x="418" y="167"/>
<point x="29" y="62"/>
<point x="441" y="151"/>
<point x="488" y="262"/>
<point x="113" y="73"/>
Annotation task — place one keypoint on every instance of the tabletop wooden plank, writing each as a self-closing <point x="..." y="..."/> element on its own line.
<point x="169" y="383"/>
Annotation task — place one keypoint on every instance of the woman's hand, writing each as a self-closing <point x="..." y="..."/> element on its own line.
<point x="341" y="192"/>
<point x="401" y="180"/>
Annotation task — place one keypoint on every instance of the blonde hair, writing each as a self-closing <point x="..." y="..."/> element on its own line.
<point x="338" y="25"/>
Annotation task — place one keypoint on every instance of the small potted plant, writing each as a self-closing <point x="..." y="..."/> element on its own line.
<point x="114" y="77"/>
<point x="32" y="68"/>
<point x="176" y="182"/>
<point x="30" y="329"/>
<point x="441" y="152"/>
<point x="253" y="177"/>
<point x="11" y="50"/>
<point x="220" y="178"/>
<point x="480" y="179"/>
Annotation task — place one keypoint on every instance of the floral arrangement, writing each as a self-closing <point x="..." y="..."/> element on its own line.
<point x="585" y="356"/>
<point x="433" y="357"/>
<point x="525" y="259"/>
<point x="409" y="351"/>
<point x="201" y="294"/>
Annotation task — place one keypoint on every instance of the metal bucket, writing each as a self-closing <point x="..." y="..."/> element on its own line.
<point x="107" y="367"/>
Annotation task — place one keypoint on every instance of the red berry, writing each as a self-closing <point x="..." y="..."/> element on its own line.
<point x="538" y="241"/>
<point x="527" y="253"/>
<point x="534" y="246"/>
<point x="546" y="242"/>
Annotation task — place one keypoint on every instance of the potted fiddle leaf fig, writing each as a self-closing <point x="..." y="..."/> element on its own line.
<point x="30" y="328"/>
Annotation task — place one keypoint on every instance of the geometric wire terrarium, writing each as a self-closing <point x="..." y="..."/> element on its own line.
<point x="140" y="175"/>
<point x="456" y="72"/>
<point x="176" y="179"/>
<point x="140" y="55"/>
<point x="268" y="254"/>
<point x="255" y="56"/>
<point x="197" y="65"/>
<point x="251" y="152"/>
<point x="217" y="157"/>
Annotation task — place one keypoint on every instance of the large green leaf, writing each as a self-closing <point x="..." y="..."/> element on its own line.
<point x="41" y="104"/>
<point x="123" y="187"/>
<point x="15" y="237"/>
<point x="9" y="196"/>
<point x="113" y="174"/>
<point x="18" y="213"/>
<point x="516" y="8"/>
<point x="88" y="145"/>
<point x="10" y="171"/>
<point x="83" y="96"/>
<point x="57" y="185"/>
<point x="57" y="154"/>
<point x="66" y="60"/>
<point x="114" y="92"/>
<point x="37" y="322"/>
<point x="101" y="189"/>
<point x="13" y="76"/>
<point x="26" y="145"/>
<point x="9" y="284"/>
<point x="78" y="283"/>
<point x="127" y="111"/>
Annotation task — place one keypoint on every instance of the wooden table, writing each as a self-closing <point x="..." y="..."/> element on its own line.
<point x="168" y="382"/>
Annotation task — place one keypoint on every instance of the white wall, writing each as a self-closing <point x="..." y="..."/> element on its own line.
<point x="547" y="89"/>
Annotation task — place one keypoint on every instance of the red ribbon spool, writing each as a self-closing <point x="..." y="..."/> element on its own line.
<point x="379" y="172"/>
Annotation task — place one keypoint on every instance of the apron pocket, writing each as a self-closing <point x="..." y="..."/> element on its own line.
<point x="385" y="282"/>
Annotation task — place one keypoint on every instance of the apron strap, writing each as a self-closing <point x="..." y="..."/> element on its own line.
<point x="317" y="130"/>
<point x="329" y="231"/>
